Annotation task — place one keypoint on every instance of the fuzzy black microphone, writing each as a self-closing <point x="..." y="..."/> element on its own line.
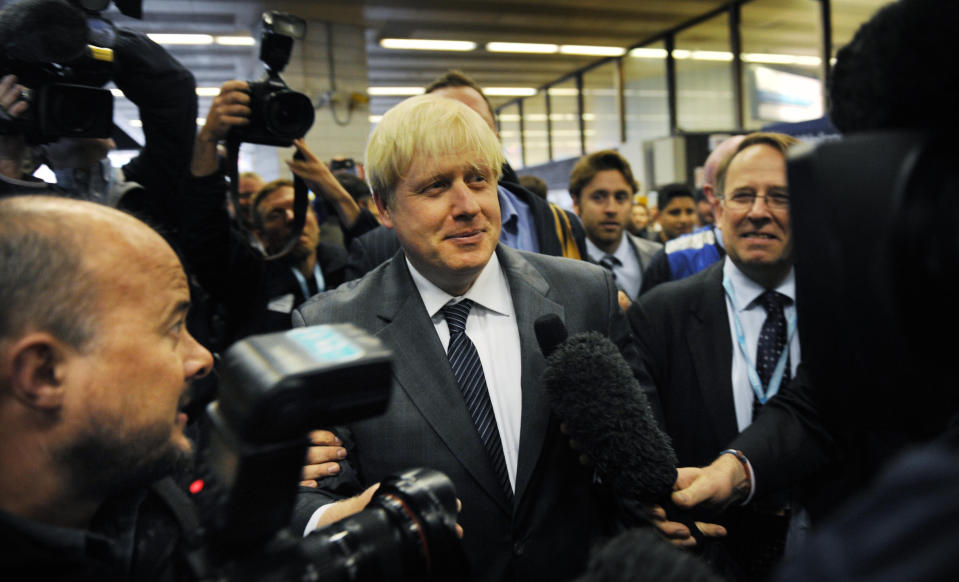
<point x="42" y="31"/>
<point x="591" y="388"/>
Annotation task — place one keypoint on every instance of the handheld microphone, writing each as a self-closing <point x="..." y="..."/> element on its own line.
<point x="591" y="388"/>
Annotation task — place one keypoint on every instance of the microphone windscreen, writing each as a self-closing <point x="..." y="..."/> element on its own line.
<point x="550" y="332"/>
<point x="42" y="31"/>
<point x="591" y="388"/>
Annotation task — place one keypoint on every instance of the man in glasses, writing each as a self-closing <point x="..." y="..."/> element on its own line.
<point x="718" y="344"/>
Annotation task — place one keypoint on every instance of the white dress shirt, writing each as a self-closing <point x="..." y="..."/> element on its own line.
<point x="491" y="326"/>
<point x="752" y="315"/>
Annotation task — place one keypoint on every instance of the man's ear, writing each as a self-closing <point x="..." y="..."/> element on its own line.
<point x="386" y="219"/>
<point x="576" y="208"/>
<point x="36" y="365"/>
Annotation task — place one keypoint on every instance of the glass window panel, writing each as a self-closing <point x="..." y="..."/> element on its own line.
<point x="704" y="85"/>
<point x="564" y="112"/>
<point x="781" y="40"/>
<point x="644" y="78"/>
<point x="534" y="128"/>
<point x="509" y="127"/>
<point x="601" y="107"/>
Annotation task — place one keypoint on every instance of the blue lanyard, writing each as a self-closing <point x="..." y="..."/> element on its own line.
<point x="317" y="275"/>
<point x="780" y="370"/>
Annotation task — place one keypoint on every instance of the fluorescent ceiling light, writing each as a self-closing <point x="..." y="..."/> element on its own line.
<point x="648" y="53"/>
<point x="376" y="118"/>
<point x="592" y="51"/>
<point x="563" y="91"/>
<point x="711" y="56"/>
<point x="138" y="123"/>
<point x="681" y="54"/>
<point x="181" y="38"/>
<point x="427" y="45"/>
<point x="116" y="92"/>
<point x="774" y="59"/>
<point x="207" y="91"/>
<point x="236" y="40"/>
<point x="509" y="91"/>
<point x="394" y="91"/>
<point x="521" y="47"/>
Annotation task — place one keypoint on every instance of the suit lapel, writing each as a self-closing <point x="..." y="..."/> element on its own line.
<point x="425" y="375"/>
<point x="528" y="290"/>
<point x="711" y="347"/>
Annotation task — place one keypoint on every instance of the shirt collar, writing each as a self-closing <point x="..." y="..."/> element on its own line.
<point x="747" y="290"/>
<point x="490" y="289"/>
<point x="597" y="253"/>
<point x="510" y="215"/>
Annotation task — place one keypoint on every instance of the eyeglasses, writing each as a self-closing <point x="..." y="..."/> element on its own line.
<point x="746" y="200"/>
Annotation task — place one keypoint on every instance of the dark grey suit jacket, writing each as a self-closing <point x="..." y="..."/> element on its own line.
<point x="547" y="531"/>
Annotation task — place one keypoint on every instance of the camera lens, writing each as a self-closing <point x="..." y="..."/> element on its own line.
<point x="408" y="533"/>
<point x="75" y="111"/>
<point x="288" y="114"/>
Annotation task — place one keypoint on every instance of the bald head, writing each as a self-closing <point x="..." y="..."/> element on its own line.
<point x="55" y="253"/>
<point x="715" y="159"/>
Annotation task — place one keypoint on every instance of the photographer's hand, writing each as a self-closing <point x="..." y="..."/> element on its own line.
<point x="347" y="507"/>
<point x="321" y="180"/>
<point x="229" y="108"/>
<point x="322" y="457"/>
<point x="10" y="93"/>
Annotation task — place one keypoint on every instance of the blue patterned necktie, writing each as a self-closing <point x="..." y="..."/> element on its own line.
<point x="468" y="370"/>
<point x="772" y="340"/>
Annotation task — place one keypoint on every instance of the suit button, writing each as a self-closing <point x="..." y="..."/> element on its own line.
<point x="518" y="548"/>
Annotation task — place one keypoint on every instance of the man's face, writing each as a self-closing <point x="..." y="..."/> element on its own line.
<point x="446" y="215"/>
<point x="604" y="205"/>
<point x="133" y="376"/>
<point x="639" y="216"/>
<point x="758" y="239"/>
<point x="678" y="217"/>
<point x="472" y="99"/>
<point x="276" y="212"/>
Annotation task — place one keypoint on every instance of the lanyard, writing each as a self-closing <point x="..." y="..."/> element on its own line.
<point x="780" y="370"/>
<point x="317" y="276"/>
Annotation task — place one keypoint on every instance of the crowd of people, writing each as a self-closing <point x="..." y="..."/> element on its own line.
<point x="117" y="291"/>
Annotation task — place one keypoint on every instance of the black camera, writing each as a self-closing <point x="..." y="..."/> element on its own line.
<point x="50" y="46"/>
<point x="278" y="115"/>
<point x="274" y="389"/>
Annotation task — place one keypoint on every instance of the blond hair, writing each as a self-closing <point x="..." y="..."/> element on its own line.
<point x="428" y="126"/>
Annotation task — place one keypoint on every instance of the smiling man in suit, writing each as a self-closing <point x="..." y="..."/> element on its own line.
<point x="470" y="404"/>
<point x="718" y="344"/>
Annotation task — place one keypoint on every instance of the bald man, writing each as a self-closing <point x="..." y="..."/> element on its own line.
<point x="95" y="361"/>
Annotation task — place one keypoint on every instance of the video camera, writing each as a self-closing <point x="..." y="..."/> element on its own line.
<point x="63" y="54"/>
<point x="278" y="114"/>
<point x="274" y="389"/>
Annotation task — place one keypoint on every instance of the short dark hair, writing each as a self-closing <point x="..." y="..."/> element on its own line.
<point x="534" y="184"/>
<point x="899" y="70"/>
<point x="591" y="164"/>
<point x="779" y="141"/>
<point x="457" y="78"/>
<point x="44" y="283"/>
<point x="355" y="185"/>
<point x="262" y="193"/>
<point x="669" y="192"/>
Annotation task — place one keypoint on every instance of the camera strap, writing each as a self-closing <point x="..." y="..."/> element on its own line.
<point x="300" y="196"/>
